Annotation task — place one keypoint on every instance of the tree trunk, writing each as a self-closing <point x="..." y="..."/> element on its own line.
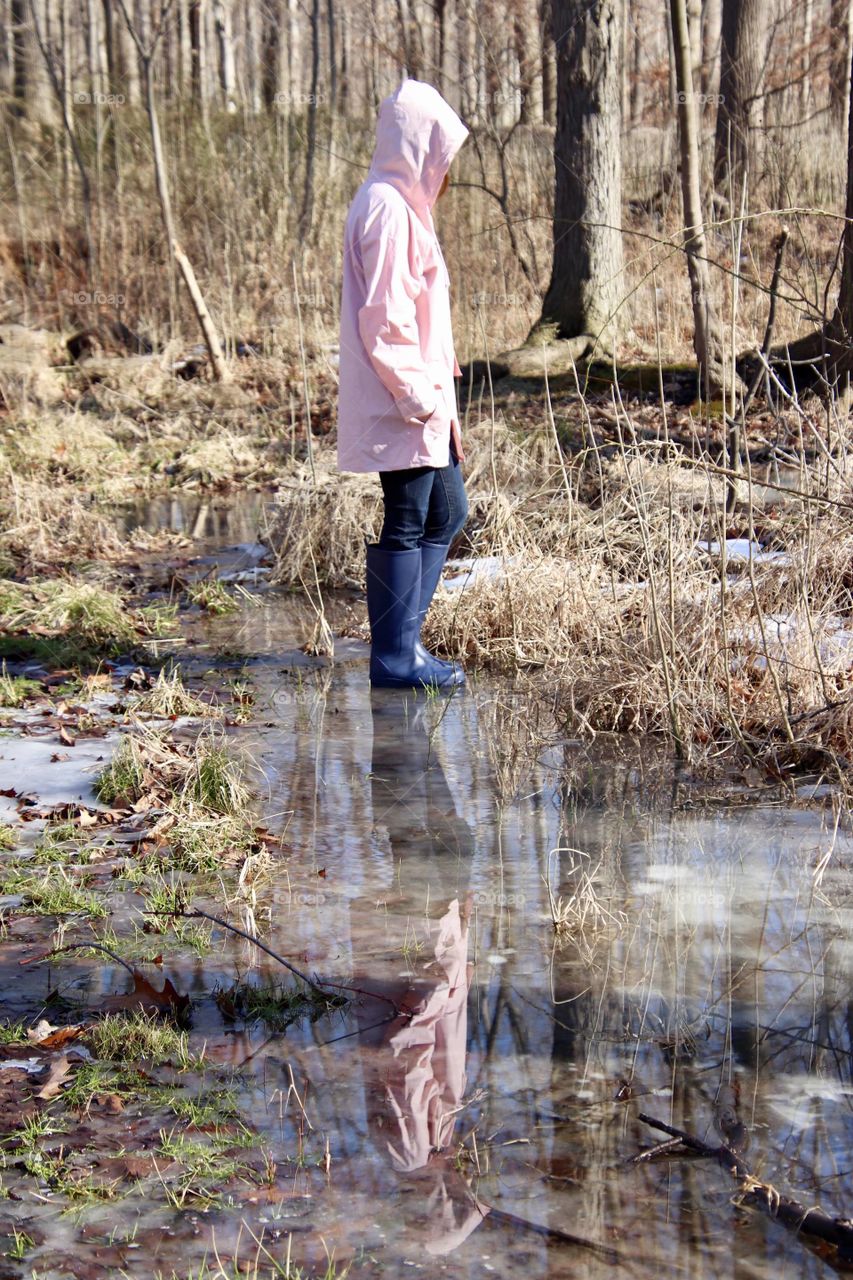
<point x="584" y="294"/>
<point x="842" y="322"/>
<point x="634" y="75"/>
<point x="440" y="44"/>
<point x="806" y="88"/>
<point x="222" y="22"/>
<point x="294" y="53"/>
<point x="34" y="96"/>
<point x="184" y="52"/>
<point x="549" y="64"/>
<point x="524" y="34"/>
<point x="824" y="358"/>
<point x="18" y="15"/>
<point x="333" y="57"/>
<point x="707" y="341"/>
<point x="839" y="65"/>
<point x="743" y="54"/>
<point x="196" y="27"/>
<point x="307" y="210"/>
<point x="711" y="21"/>
<point x="273" y="56"/>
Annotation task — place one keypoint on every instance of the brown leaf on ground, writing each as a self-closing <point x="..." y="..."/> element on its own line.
<point x="136" y="1166"/>
<point x="48" y="1037"/>
<point x="150" y="800"/>
<point x="59" y="1070"/>
<point x="67" y="739"/>
<point x="111" y="1103"/>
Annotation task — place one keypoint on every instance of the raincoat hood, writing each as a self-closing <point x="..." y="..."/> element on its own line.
<point x="417" y="136"/>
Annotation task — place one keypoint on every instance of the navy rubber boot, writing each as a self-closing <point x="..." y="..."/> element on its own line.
<point x="433" y="557"/>
<point x="393" y="607"/>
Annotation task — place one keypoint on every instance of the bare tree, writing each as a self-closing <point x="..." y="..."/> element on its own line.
<point x="582" y="299"/>
<point x="33" y="89"/>
<point x="56" y="64"/>
<point x="711" y="25"/>
<point x="307" y="209"/>
<point x="743" y="57"/>
<point x="146" y="48"/>
<point x="825" y="356"/>
<point x="707" y="341"/>
<point x="840" y="14"/>
<point x="222" y="23"/>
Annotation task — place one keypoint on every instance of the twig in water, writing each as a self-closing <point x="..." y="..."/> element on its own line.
<point x="81" y="946"/>
<point x="316" y="985"/>
<point x="836" y="1232"/>
<point x="241" y="933"/>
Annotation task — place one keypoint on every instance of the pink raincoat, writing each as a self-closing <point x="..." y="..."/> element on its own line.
<point x="397" y="360"/>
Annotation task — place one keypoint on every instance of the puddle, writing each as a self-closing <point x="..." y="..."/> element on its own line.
<point x="473" y="1109"/>
<point x="221" y="520"/>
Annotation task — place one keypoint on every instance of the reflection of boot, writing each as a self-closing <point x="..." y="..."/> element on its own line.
<point x="393" y="606"/>
<point x="410" y="794"/>
<point x="433" y="556"/>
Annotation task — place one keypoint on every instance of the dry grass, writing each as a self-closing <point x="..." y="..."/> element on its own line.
<point x="320" y="528"/>
<point x="582" y="917"/>
<point x="645" y="634"/>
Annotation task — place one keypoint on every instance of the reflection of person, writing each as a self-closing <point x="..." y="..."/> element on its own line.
<point x="424" y="1079"/>
<point x="397" y="410"/>
<point x="421" y="1054"/>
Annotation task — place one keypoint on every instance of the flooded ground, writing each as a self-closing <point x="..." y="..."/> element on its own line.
<point x="473" y="1107"/>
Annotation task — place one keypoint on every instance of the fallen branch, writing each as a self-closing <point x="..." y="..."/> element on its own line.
<point x="605" y="1251"/>
<point x="241" y="933"/>
<point x="318" y="985"/>
<point x="80" y="946"/>
<point x="814" y="1223"/>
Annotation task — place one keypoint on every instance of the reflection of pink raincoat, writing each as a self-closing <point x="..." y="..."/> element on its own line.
<point x="425" y="1084"/>
<point x="397" y="359"/>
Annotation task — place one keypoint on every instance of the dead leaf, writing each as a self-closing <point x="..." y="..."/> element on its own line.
<point x="60" y="1068"/>
<point x="67" y="739"/>
<point x="48" y="1037"/>
<point x="58" y="756"/>
<point x="110" y="1103"/>
<point x="145" y="802"/>
<point x="146" y="996"/>
<point x="87" y="819"/>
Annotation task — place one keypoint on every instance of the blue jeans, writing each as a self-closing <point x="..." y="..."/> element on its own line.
<point x="423" y="504"/>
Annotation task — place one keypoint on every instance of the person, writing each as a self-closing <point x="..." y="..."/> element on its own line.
<point x="397" y="403"/>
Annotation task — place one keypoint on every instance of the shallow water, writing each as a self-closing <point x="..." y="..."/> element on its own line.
<point x="709" y="987"/>
<point x="714" y="993"/>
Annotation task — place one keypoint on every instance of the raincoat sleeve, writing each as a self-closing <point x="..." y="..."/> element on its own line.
<point x="387" y="320"/>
